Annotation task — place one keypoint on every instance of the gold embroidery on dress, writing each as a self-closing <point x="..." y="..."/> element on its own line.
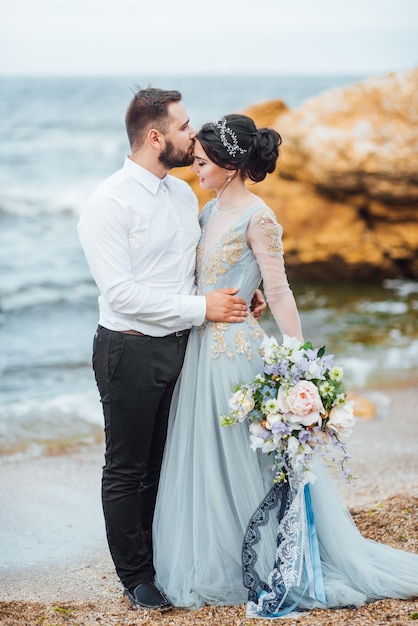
<point x="266" y="219"/>
<point x="242" y="345"/>
<point x="226" y="252"/>
<point x="219" y="345"/>
<point x="255" y="329"/>
<point x="241" y="341"/>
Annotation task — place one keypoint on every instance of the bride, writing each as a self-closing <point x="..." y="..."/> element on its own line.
<point x="213" y="487"/>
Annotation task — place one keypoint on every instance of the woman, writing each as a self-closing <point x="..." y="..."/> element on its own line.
<point x="212" y="482"/>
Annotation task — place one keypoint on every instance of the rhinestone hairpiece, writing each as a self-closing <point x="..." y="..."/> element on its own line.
<point x="224" y="130"/>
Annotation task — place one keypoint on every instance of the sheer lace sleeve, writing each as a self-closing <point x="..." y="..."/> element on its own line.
<point x="264" y="236"/>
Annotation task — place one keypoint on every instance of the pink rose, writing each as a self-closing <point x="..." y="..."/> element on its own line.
<point x="303" y="400"/>
<point x="341" y="418"/>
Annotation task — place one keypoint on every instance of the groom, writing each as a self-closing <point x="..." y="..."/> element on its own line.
<point x="139" y="231"/>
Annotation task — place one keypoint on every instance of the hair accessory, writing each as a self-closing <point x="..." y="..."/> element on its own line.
<point x="224" y="130"/>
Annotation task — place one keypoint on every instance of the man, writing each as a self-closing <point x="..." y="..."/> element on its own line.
<point x="139" y="232"/>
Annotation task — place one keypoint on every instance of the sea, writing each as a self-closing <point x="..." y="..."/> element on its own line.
<point x="59" y="137"/>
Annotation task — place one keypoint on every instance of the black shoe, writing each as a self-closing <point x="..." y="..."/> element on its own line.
<point x="147" y="596"/>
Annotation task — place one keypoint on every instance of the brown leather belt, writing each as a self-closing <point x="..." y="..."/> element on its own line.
<point x="178" y="333"/>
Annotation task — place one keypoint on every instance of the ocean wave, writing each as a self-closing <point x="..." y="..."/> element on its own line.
<point x="402" y="287"/>
<point x="31" y="201"/>
<point x="51" y="294"/>
<point x="37" y="420"/>
<point x="381" y="365"/>
<point x="388" y="307"/>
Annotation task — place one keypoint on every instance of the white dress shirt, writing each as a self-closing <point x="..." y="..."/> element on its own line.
<point x="139" y="234"/>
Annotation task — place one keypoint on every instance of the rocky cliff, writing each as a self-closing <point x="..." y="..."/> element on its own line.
<point x="346" y="186"/>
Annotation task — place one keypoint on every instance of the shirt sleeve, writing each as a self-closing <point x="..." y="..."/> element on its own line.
<point x="264" y="236"/>
<point x="103" y="234"/>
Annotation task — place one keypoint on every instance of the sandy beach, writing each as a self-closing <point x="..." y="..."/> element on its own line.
<point x="55" y="567"/>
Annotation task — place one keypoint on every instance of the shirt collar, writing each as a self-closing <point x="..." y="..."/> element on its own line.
<point x="144" y="176"/>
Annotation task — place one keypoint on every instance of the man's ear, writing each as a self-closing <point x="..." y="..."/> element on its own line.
<point x="155" y="138"/>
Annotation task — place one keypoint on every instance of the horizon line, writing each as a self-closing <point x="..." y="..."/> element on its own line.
<point x="191" y="74"/>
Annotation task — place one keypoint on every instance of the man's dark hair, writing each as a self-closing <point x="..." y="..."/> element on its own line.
<point x="148" y="109"/>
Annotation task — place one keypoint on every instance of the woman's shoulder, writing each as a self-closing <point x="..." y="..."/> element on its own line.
<point x="263" y="223"/>
<point x="205" y="212"/>
<point x="263" y="213"/>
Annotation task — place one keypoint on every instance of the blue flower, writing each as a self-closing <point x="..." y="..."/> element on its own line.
<point x="306" y="436"/>
<point x="281" y="428"/>
<point x="268" y="392"/>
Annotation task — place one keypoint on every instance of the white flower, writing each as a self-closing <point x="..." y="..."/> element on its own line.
<point x="257" y="430"/>
<point x="297" y="421"/>
<point x="341" y="418"/>
<point x="336" y="373"/>
<point x="272" y="405"/>
<point x="315" y="371"/>
<point x="269" y="349"/>
<point x="273" y="418"/>
<point x="291" y="343"/>
<point x="282" y="402"/>
<point x="292" y="446"/>
<point x="256" y="442"/>
<point x="291" y="349"/>
<point x="326" y="388"/>
<point x="242" y="402"/>
<point x="296" y="356"/>
<point x="340" y="399"/>
<point x="268" y="446"/>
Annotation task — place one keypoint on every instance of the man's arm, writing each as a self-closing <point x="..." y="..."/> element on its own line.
<point x="103" y="235"/>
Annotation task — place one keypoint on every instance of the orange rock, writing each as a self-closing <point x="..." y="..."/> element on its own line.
<point x="346" y="186"/>
<point x="364" y="408"/>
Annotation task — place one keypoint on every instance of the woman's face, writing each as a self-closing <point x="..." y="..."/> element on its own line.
<point x="211" y="176"/>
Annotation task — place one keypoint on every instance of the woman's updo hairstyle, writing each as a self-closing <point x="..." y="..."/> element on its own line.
<point x="234" y="142"/>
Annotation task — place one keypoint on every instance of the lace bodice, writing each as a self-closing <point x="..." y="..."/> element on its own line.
<point x="239" y="248"/>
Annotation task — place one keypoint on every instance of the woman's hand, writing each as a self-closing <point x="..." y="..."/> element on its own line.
<point x="258" y="304"/>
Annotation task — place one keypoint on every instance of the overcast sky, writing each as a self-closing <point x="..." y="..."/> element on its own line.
<point x="113" y="37"/>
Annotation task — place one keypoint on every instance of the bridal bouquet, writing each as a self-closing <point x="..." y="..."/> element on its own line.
<point x="297" y="406"/>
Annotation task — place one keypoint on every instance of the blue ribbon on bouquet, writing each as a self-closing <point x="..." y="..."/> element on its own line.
<point x="312" y="557"/>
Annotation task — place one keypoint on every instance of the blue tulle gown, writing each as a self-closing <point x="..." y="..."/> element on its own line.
<point x="212" y="483"/>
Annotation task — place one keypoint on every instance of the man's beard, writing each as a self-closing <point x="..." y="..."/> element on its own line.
<point x="170" y="157"/>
